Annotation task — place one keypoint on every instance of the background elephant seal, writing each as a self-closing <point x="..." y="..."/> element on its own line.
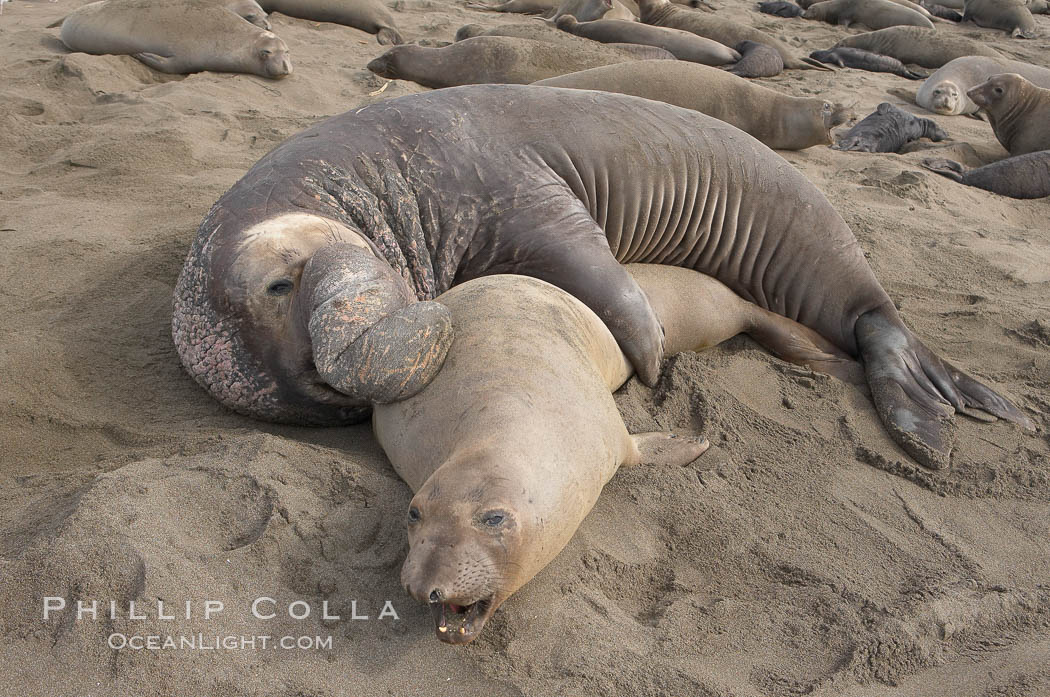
<point x="756" y="60"/>
<point x="917" y="45"/>
<point x="778" y="120"/>
<point x="371" y="16"/>
<point x="942" y="12"/>
<point x="491" y="59"/>
<point x="864" y="60"/>
<point x="590" y="10"/>
<point x="183" y="37"/>
<point x="888" y="129"/>
<point x="508" y="449"/>
<point x="1018" y="111"/>
<point x="683" y="45"/>
<point x="874" y="14"/>
<point x="1012" y="16"/>
<point x="662" y="13"/>
<point x="594" y="9"/>
<point x="246" y="9"/>
<point x="549" y="33"/>
<point x="780" y="9"/>
<point x="944" y="92"/>
<point x="1025" y="176"/>
<point x="309" y="328"/>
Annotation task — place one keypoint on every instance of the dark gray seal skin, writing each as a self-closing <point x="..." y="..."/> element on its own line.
<point x="874" y="14"/>
<point x="1024" y="176"/>
<point x="496" y="60"/>
<point x="1018" y="111"/>
<point x="371" y="16"/>
<point x="864" y="60"/>
<point x="662" y="13"/>
<point x="433" y="189"/>
<point x="682" y="44"/>
<point x="888" y="129"/>
<point x="780" y="9"/>
<point x="756" y="60"/>
<point x="1012" y="16"/>
<point x="917" y="45"/>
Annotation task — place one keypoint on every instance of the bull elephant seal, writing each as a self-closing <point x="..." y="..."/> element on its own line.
<point x="756" y="60"/>
<point x="663" y="13"/>
<point x="1012" y="16"/>
<point x="1018" y="111"/>
<point x="1025" y="176"/>
<point x="491" y="59"/>
<point x="874" y="14"/>
<point x="454" y="184"/>
<point x="371" y="16"/>
<point x="183" y="37"/>
<point x="683" y="45"/>
<point x="864" y="60"/>
<point x="508" y="449"/>
<point x="778" y="120"/>
<point x="926" y="47"/>
<point x="944" y="92"/>
<point x="888" y="129"/>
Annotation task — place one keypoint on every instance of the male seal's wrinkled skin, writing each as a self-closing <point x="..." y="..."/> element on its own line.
<point x="460" y="183"/>
<point x="888" y="129"/>
<point x="1012" y="16"/>
<point x="778" y="120"/>
<point x="683" y="45"/>
<point x="756" y="60"/>
<point x="1024" y="176"/>
<point x="371" y="16"/>
<point x="921" y="46"/>
<point x="874" y="14"/>
<point x="944" y="92"/>
<point x="864" y="60"/>
<point x="509" y="447"/>
<point x="1018" y="111"/>
<point x="184" y="37"/>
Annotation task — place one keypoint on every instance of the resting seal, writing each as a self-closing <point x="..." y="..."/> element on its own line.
<point x="183" y="37"/>
<point x="780" y="9"/>
<point x="888" y="129"/>
<point x="864" y="60"/>
<point x="682" y="45"/>
<point x="590" y="10"/>
<point x="1012" y="16"/>
<point x="246" y="9"/>
<point x="756" y="60"/>
<point x="944" y="92"/>
<point x="926" y="47"/>
<point x="313" y="326"/>
<point x="874" y="14"/>
<point x="508" y="449"/>
<point x="778" y="120"/>
<point x="371" y="16"/>
<point x="1018" y="111"/>
<point x="547" y="32"/>
<point x="1025" y="176"/>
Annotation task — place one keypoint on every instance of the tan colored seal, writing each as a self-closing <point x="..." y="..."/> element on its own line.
<point x="944" y="92"/>
<point x="1018" y="111"/>
<point x="683" y="45"/>
<point x="874" y="14"/>
<point x="1012" y="16"/>
<point x="919" y="45"/>
<point x="371" y="16"/>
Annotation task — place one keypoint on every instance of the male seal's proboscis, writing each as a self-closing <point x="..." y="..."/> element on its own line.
<point x="308" y="294"/>
<point x="509" y="447"/>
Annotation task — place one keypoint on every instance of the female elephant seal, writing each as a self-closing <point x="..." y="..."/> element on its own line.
<point x="508" y="449"/>
<point x="1018" y="111"/>
<point x="874" y="14"/>
<point x="176" y="37"/>
<point x="926" y="47"/>
<point x="453" y="184"/>
<point x="944" y="92"/>
<point x="778" y="120"/>
<point x="371" y="16"/>
<point x="1012" y="16"/>
<point x="683" y="45"/>
<point x="248" y="10"/>
<point x="1025" y="176"/>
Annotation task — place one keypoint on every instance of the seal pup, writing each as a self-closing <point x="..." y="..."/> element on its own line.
<point x="780" y="9"/>
<point x="663" y="13"/>
<point x="184" y="37"/>
<point x="778" y="120"/>
<point x="683" y="45"/>
<point x="944" y="92"/>
<point x="888" y="129"/>
<point x="928" y="48"/>
<point x="312" y="328"/>
<point x="874" y="14"/>
<point x="490" y="59"/>
<point x="1012" y="16"/>
<point x="942" y="12"/>
<point x="1024" y="176"/>
<point x="864" y="60"/>
<point x="756" y="60"/>
<point x="370" y="16"/>
<point x="508" y="448"/>
<point x="1018" y="111"/>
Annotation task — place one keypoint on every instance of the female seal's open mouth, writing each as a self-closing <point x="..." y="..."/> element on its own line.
<point x="460" y="624"/>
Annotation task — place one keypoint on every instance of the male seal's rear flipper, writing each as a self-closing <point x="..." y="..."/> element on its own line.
<point x="944" y="167"/>
<point x="914" y="390"/>
<point x="665" y="448"/>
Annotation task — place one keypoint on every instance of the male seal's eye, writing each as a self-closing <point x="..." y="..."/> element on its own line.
<point x="492" y="519"/>
<point x="414" y="515"/>
<point x="282" y="287"/>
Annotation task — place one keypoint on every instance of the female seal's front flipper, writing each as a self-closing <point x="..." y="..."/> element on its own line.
<point x="666" y="448"/>
<point x="915" y="391"/>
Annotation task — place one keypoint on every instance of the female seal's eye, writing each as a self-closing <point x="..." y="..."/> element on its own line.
<point x="266" y="52"/>
<point x="414" y="515"/>
<point x="492" y="519"/>
<point x="998" y="90"/>
<point x="282" y="287"/>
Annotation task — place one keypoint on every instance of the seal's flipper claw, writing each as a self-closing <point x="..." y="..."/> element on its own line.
<point x="388" y="35"/>
<point x="926" y="434"/>
<point x="664" y="448"/>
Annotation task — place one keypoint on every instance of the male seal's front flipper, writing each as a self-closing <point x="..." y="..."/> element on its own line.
<point x="915" y="391"/>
